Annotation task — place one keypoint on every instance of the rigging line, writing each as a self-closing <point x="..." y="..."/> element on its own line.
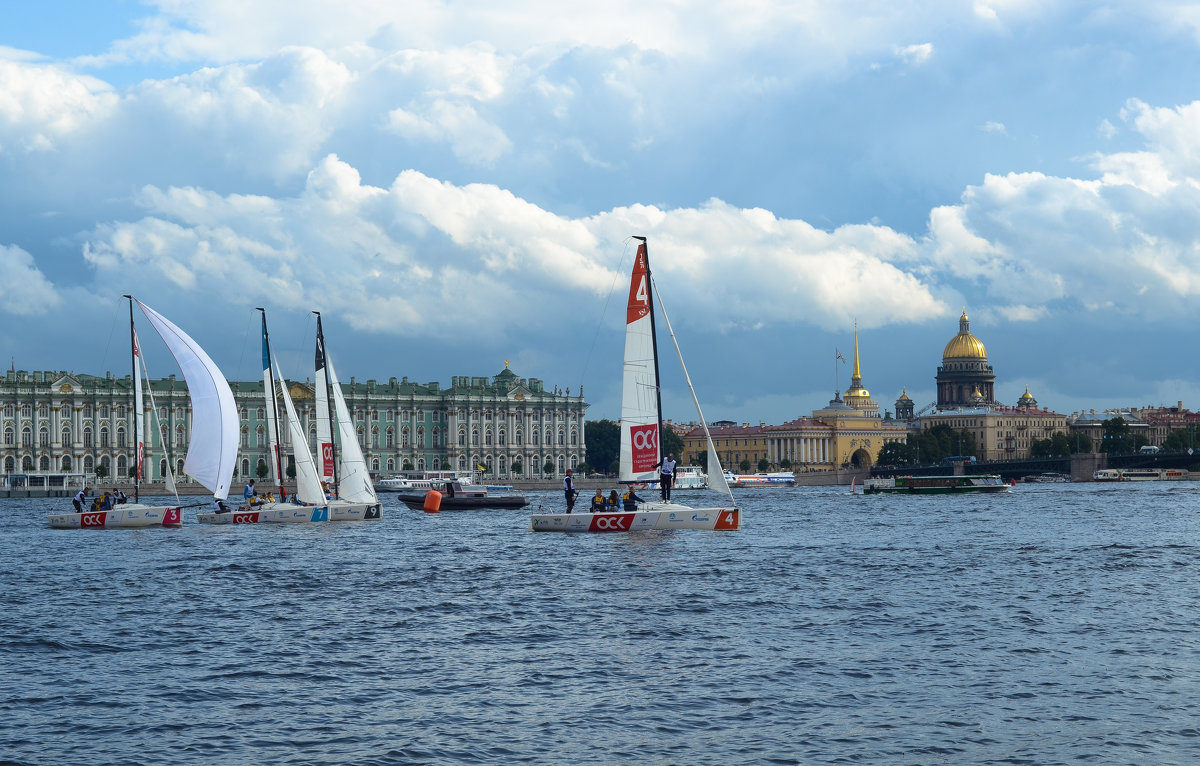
<point x="604" y="311"/>
<point x="108" y="344"/>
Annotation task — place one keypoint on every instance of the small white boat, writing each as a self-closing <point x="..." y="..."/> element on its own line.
<point x="641" y="423"/>
<point x="1107" y="474"/>
<point x="690" y="477"/>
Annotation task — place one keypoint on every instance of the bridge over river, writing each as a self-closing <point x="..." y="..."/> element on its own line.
<point x="1079" y="467"/>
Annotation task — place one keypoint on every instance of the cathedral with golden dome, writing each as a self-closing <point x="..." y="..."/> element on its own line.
<point x="966" y="401"/>
<point x="965" y="379"/>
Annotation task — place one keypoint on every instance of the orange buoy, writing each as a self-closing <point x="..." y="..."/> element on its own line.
<point x="433" y="501"/>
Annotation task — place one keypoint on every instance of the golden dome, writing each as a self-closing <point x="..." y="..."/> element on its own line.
<point x="964" y="345"/>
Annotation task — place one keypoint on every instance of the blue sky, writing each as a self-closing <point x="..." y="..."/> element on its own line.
<point x="454" y="185"/>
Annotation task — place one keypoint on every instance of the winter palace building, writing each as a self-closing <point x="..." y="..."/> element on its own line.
<point x="58" y="422"/>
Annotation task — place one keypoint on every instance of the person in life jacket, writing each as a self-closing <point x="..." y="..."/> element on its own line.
<point x="598" y="502"/>
<point x="631" y="500"/>
<point x="614" y="502"/>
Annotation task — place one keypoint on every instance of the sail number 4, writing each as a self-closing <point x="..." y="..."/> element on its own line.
<point x="727" y="520"/>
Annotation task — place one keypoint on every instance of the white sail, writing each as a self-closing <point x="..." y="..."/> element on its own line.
<point x="308" y="483"/>
<point x="354" y="481"/>
<point x="269" y="397"/>
<point x="325" y="458"/>
<point x="716" y="476"/>
<point x="141" y="422"/>
<point x="212" y="451"/>
<point x="639" y="389"/>
<point x="169" y="476"/>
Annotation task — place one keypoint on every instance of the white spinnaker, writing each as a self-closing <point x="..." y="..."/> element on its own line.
<point x="308" y="483"/>
<point x="639" y="384"/>
<point x="212" y="451"/>
<point x="354" y="482"/>
<point x="716" y="476"/>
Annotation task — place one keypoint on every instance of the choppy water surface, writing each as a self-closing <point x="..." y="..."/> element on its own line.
<point x="1053" y="624"/>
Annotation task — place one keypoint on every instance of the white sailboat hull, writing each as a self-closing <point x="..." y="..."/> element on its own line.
<point x="288" y="513"/>
<point x="128" y="516"/>
<point x="648" y="516"/>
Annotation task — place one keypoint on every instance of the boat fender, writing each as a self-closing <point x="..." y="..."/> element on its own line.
<point x="433" y="501"/>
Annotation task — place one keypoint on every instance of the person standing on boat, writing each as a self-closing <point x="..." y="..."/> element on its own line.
<point x="248" y="493"/>
<point x="569" y="490"/>
<point x="122" y="498"/>
<point x="666" y="476"/>
<point x="80" y="500"/>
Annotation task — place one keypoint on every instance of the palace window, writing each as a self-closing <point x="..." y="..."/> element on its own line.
<point x="44" y="463"/>
<point x="500" y="438"/>
<point x="261" y="413"/>
<point x="65" y="410"/>
<point x="519" y="441"/>
<point x="389" y="439"/>
<point x="375" y="417"/>
<point x="245" y="413"/>
<point x="87" y="410"/>
<point x="120" y="437"/>
<point x="9" y="464"/>
<point x="26" y="410"/>
<point x="44" y="437"/>
<point x="9" y="410"/>
<point x="562" y="438"/>
<point x="245" y="439"/>
<point x="487" y="437"/>
<point x="10" y="437"/>
<point x="462" y="437"/>
<point x="404" y="437"/>
<point x="420" y="436"/>
<point x="103" y="437"/>
<point x="44" y="412"/>
<point x="260" y="437"/>
<point x="375" y="442"/>
<point x="180" y="438"/>
<point x="362" y="437"/>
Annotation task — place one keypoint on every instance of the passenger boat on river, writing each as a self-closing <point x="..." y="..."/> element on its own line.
<point x="936" y="485"/>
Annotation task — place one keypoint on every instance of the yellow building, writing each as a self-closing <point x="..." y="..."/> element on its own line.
<point x="847" y="432"/>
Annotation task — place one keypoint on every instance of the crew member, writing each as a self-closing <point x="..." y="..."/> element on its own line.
<point x="79" y="500"/>
<point x="614" y="502"/>
<point x="666" y="476"/>
<point x="598" y="502"/>
<point x="569" y="490"/>
<point x="631" y="500"/>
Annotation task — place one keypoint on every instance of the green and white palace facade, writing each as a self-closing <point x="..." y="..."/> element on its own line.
<point x="58" y="422"/>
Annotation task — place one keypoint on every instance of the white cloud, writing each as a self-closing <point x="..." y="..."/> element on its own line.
<point x="393" y="259"/>
<point x="40" y="105"/>
<point x="992" y="126"/>
<point x="915" y="55"/>
<point x="24" y="289"/>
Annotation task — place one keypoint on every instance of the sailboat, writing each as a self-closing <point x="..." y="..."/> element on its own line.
<point x="641" y="426"/>
<point x="212" y="449"/>
<point x="309" y="504"/>
<point x="342" y="461"/>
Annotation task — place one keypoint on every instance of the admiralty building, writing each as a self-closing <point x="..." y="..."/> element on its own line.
<point x="58" y="422"/>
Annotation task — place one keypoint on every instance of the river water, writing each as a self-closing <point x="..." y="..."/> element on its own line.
<point x="1051" y="624"/>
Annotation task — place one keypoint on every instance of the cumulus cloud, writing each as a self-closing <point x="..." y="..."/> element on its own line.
<point x="24" y="289"/>
<point x="41" y="104"/>
<point x="426" y="244"/>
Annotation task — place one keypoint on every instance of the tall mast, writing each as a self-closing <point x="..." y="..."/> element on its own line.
<point x="328" y="390"/>
<point x="654" y="336"/>
<point x="137" y="446"/>
<point x="269" y="375"/>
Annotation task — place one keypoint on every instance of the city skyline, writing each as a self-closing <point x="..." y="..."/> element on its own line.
<point x="455" y="186"/>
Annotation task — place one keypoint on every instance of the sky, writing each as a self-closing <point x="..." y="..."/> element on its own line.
<point x="455" y="185"/>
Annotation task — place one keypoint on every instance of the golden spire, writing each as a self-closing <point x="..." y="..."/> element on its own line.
<point x="856" y="377"/>
<point x="856" y="389"/>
